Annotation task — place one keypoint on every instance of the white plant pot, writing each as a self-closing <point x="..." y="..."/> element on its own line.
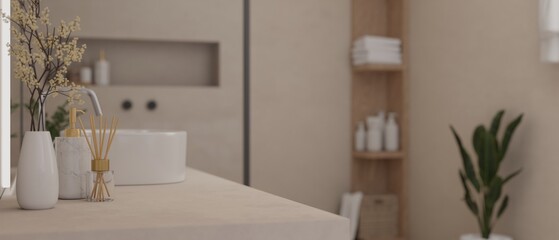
<point x="478" y="237"/>
<point x="37" y="172"/>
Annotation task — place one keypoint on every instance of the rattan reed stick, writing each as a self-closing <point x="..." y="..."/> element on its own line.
<point x="94" y="135"/>
<point x="86" y="138"/>
<point x="112" y="132"/>
<point x="104" y="127"/>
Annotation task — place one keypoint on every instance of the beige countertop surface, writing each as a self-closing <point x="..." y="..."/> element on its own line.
<point x="203" y="207"/>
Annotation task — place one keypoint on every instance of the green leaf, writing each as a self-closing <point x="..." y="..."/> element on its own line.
<point x="494" y="193"/>
<point x="490" y="199"/>
<point x="508" y="135"/>
<point x="496" y="123"/>
<point x="467" y="162"/>
<point x="491" y="156"/>
<point x="503" y="207"/>
<point x="486" y="148"/>
<point x="58" y="121"/>
<point x="467" y="196"/>
<point x="477" y="139"/>
<point x="481" y="141"/>
<point x="13" y="107"/>
<point x="509" y="177"/>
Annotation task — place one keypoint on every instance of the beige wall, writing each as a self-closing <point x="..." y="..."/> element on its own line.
<point x="300" y="102"/>
<point x="469" y="59"/>
<point x="300" y="85"/>
<point x="212" y="116"/>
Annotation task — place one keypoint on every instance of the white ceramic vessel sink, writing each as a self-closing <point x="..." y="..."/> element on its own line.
<point x="141" y="157"/>
<point x="148" y="157"/>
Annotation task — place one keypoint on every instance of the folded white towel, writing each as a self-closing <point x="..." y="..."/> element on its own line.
<point x="378" y="40"/>
<point x="377" y="55"/>
<point x="395" y="49"/>
<point x="549" y="30"/>
<point x="549" y="15"/>
<point x="361" y="61"/>
<point x="372" y="42"/>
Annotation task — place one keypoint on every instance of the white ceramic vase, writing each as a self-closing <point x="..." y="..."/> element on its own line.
<point x="478" y="237"/>
<point x="37" y="172"/>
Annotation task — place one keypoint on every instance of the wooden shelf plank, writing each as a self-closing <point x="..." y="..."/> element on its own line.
<point x="379" y="155"/>
<point x="379" y="68"/>
<point x="385" y="238"/>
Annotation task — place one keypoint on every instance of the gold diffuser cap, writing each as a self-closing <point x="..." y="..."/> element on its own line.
<point x="100" y="165"/>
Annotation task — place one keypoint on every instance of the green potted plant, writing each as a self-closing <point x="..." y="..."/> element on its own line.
<point x="483" y="186"/>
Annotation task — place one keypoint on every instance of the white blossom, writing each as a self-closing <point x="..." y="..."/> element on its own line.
<point x="43" y="53"/>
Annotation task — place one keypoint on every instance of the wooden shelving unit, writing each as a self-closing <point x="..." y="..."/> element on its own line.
<point x="377" y="87"/>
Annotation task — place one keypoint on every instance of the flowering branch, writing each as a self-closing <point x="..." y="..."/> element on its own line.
<point x="43" y="53"/>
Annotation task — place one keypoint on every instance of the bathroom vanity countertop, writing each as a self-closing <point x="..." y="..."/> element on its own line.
<point x="203" y="207"/>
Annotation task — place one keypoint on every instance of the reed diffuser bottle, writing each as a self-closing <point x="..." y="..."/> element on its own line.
<point x="100" y="180"/>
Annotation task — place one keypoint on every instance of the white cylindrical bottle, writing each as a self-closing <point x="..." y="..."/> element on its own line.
<point x="391" y="138"/>
<point x="74" y="161"/>
<point x="360" y="137"/>
<point x="86" y="75"/>
<point x="382" y="116"/>
<point x="102" y="70"/>
<point x="374" y="134"/>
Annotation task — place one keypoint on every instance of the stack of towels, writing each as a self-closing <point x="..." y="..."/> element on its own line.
<point x="377" y="50"/>
<point x="549" y="30"/>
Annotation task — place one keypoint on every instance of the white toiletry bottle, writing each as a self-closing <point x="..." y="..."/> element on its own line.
<point x="74" y="160"/>
<point x="374" y="134"/>
<point x="382" y="116"/>
<point x="391" y="138"/>
<point x="86" y="76"/>
<point x="102" y="70"/>
<point x="360" y="137"/>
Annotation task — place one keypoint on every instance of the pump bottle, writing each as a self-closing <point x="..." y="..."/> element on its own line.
<point x="391" y="133"/>
<point x="73" y="157"/>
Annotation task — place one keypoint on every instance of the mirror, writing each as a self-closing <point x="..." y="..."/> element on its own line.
<point x="5" y="106"/>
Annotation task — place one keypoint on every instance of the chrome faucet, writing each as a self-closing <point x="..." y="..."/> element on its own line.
<point x="90" y="93"/>
<point x="94" y="100"/>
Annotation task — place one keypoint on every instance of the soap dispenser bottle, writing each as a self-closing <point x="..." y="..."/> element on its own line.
<point x="73" y="157"/>
<point x="102" y="69"/>
<point x="391" y="137"/>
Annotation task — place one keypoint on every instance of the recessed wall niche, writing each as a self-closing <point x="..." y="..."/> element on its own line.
<point x="155" y="63"/>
